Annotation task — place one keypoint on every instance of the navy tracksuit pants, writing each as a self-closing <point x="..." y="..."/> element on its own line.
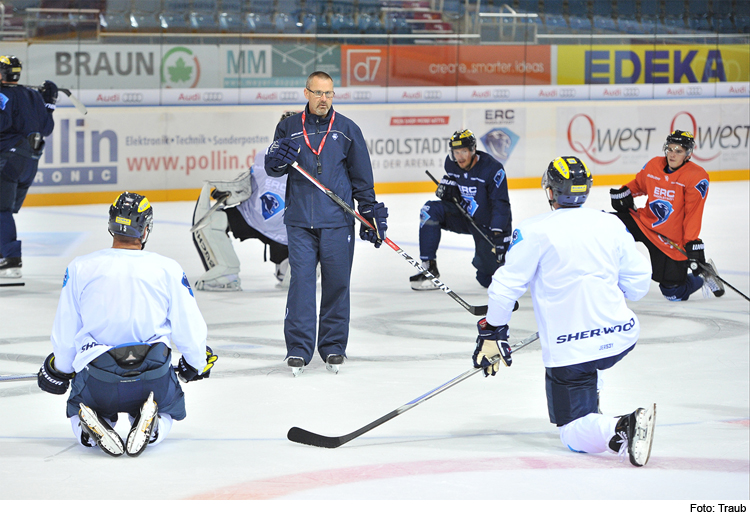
<point x="334" y="249"/>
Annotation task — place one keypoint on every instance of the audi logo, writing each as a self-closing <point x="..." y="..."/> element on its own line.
<point x="212" y="97"/>
<point x="567" y="92"/>
<point x="694" y="90"/>
<point x="501" y="94"/>
<point x="288" y="96"/>
<point x="132" y="97"/>
<point x="362" y="96"/>
<point x="433" y="94"/>
<point x="631" y="92"/>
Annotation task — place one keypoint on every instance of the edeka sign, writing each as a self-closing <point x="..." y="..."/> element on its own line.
<point x="76" y="154"/>
<point x="689" y="63"/>
<point x="444" y="65"/>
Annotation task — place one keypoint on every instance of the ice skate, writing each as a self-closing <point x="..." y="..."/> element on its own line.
<point x="100" y="431"/>
<point x="634" y="434"/>
<point x="222" y="284"/>
<point x="144" y="427"/>
<point x="333" y="362"/>
<point x="297" y="365"/>
<point x="420" y="282"/>
<point x="10" y="268"/>
<point x="711" y="281"/>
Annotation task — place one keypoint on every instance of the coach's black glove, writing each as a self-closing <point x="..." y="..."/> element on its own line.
<point x="49" y="94"/>
<point x="187" y="373"/>
<point x="377" y="215"/>
<point x="694" y="251"/>
<point x="52" y="380"/>
<point x="622" y="199"/>
<point x="448" y="190"/>
<point x="492" y="341"/>
<point x="282" y="152"/>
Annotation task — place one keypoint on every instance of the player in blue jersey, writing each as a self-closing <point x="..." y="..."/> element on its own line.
<point x="477" y="183"/>
<point x="25" y="120"/>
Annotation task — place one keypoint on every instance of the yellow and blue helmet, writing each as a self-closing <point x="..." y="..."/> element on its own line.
<point x="570" y="181"/>
<point x="131" y="215"/>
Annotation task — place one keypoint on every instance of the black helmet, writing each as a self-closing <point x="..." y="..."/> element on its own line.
<point x="463" y="139"/>
<point x="131" y="215"/>
<point x="570" y="181"/>
<point x="10" y="68"/>
<point x="679" y="137"/>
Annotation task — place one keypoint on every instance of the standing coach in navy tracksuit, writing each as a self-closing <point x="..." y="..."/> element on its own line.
<point x="331" y="148"/>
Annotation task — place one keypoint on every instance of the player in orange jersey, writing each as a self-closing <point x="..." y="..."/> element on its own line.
<point x="670" y="223"/>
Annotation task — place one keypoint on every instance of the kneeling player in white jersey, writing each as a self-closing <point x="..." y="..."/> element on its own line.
<point x="119" y="308"/>
<point x="251" y="206"/>
<point x="581" y="265"/>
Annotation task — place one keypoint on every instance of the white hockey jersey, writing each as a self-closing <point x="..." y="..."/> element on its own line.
<point x="581" y="265"/>
<point x="117" y="296"/>
<point x="264" y="210"/>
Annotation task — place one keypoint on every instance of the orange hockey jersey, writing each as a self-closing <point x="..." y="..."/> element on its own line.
<point x="674" y="206"/>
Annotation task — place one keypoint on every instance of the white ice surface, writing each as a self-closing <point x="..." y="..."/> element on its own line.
<point x="482" y="439"/>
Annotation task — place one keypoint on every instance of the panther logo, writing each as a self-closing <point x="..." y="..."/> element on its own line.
<point x="271" y="203"/>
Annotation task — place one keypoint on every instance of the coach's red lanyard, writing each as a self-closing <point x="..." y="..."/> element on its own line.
<point x="322" y="143"/>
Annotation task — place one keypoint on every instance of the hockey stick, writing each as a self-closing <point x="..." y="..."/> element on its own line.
<point x="695" y="265"/>
<point x="301" y="436"/>
<point x="18" y="377"/>
<point x="467" y="215"/>
<point x="73" y="99"/>
<point x="12" y="284"/>
<point x="204" y="221"/>
<point x="474" y="310"/>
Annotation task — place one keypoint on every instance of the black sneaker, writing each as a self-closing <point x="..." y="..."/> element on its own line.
<point x="634" y="434"/>
<point x="10" y="267"/>
<point x="420" y="282"/>
<point x="100" y="431"/>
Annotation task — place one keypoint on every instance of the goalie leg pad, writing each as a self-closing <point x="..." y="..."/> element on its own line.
<point x="216" y="251"/>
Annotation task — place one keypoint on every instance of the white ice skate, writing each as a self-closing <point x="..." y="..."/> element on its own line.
<point x="333" y="362"/>
<point x="10" y="268"/>
<point x="100" y="431"/>
<point x="711" y="281"/>
<point x="144" y="426"/>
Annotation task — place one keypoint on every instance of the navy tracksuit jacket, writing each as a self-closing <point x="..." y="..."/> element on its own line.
<point x="319" y="230"/>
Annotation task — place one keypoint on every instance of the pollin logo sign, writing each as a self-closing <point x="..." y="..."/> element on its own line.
<point x="180" y="68"/>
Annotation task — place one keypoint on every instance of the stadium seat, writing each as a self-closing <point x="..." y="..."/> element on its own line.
<point x="231" y="17"/>
<point x="204" y="15"/>
<point x="145" y="15"/>
<point x="116" y="16"/>
<point x="602" y="18"/>
<point x="699" y="14"/>
<point x="627" y="17"/>
<point x="175" y="15"/>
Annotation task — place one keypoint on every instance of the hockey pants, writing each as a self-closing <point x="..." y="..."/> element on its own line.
<point x="16" y="176"/>
<point x="334" y="249"/>
<point x="437" y="215"/>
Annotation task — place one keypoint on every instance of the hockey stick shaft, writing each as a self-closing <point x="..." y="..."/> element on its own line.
<point x="18" y="377"/>
<point x="701" y="264"/>
<point x="73" y="99"/>
<point x="302" y="436"/>
<point x="474" y="310"/>
<point x="467" y="216"/>
<point x="206" y="218"/>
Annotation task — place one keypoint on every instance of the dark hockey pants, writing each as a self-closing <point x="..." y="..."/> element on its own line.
<point x="437" y="215"/>
<point x="16" y="176"/>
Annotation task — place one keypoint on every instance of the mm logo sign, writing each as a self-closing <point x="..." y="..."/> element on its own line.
<point x="180" y="68"/>
<point x="652" y="64"/>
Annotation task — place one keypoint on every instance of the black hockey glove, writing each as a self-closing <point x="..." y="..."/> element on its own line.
<point x="187" y="373"/>
<point x="52" y="380"/>
<point x="49" y="94"/>
<point x="491" y="342"/>
<point x="501" y="240"/>
<point x="282" y="152"/>
<point x="448" y="190"/>
<point x="694" y="251"/>
<point x="622" y="199"/>
<point x="377" y="215"/>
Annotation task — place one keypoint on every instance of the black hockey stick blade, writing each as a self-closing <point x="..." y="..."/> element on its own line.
<point x="301" y="436"/>
<point x="2" y="284"/>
